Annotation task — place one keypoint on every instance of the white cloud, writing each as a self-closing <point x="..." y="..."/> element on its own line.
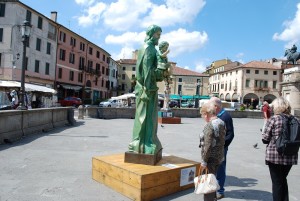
<point x="125" y="14"/>
<point x="173" y="12"/>
<point x="132" y="16"/>
<point x="200" y="67"/>
<point x="182" y="41"/>
<point x="92" y="16"/>
<point x="85" y="2"/>
<point x="239" y="55"/>
<point x="125" y="53"/>
<point x="291" y="33"/>
<point x="129" y="39"/>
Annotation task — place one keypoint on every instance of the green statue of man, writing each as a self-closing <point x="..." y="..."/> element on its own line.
<point x="145" y="138"/>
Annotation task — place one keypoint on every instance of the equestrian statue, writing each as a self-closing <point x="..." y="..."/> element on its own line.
<point x="292" y="55"/>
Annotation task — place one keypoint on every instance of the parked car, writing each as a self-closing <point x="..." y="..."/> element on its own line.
<point x="71" y="101"/>
<point x="173" y="103"/>
<point x="109" y="103"/>
<point x="187" y="104"/>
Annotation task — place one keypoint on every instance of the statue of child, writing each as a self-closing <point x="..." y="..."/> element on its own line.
<point x="162" y="57"/>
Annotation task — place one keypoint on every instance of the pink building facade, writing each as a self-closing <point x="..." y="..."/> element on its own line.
<point x="82" y="68"/>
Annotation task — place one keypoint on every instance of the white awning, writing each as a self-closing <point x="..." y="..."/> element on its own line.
<point x="28" y="87"/>
<point x="33" y="87"/>
<point x="4" y="83"/>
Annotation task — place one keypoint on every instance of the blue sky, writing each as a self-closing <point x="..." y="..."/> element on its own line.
<point x="199" y="31"/>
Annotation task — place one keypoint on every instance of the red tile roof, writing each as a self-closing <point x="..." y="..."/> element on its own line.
<point x="260" y="64"/>
<point x="181" y="71"/>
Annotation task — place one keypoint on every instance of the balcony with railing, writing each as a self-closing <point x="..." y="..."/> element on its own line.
<point x="89" y="70"/>
<point x="261" y="89"/>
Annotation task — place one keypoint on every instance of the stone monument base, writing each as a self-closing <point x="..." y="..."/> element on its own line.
<point x="146" y="159"/>
<point x="169" y="120"/>
<point x="144" y="182"/>
<point x="167" y="117"/>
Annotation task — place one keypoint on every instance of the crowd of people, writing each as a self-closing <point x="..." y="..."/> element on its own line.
<point x="218" y="133"/>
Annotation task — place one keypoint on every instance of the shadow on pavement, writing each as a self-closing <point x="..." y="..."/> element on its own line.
<point x="29" y="138"/>
<point x="176" y="195"/>
<point x="241" y="182"/>
<point x="247" y="194"/>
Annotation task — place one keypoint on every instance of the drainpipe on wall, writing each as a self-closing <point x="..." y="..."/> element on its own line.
<point x="55" y="69"/>
<point x="12" y="51"/>
<point x="84" y="71"/>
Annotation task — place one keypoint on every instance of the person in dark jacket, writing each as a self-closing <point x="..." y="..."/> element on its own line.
<point x="225" y="116"/>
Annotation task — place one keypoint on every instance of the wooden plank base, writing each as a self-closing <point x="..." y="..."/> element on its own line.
<point x="169" y="120"/>
<point x="142" y="182"/>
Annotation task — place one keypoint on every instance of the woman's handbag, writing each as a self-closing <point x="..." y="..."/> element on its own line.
<point x="205" y="183"/>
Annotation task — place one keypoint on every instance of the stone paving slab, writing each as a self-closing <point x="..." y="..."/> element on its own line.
<point x="56" y="166"/>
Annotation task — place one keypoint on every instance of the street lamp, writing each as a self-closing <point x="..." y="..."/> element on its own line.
<point x="25" y="31"/>
<point x="180" y="98"/>
<point x="198" y="84"/>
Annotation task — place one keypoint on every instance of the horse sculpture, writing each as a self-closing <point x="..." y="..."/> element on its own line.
<point x="292" y="56"/>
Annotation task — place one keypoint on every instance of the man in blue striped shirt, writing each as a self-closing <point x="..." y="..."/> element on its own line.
<point x="225" y="116"/>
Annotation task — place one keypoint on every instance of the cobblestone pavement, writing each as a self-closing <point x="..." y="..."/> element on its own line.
<point x="56" y="166"/>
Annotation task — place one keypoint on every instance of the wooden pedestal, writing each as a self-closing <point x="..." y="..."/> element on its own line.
<point x="169" y="120"/>
<point x="144" y="182"/>
<point x="146" y="159"/>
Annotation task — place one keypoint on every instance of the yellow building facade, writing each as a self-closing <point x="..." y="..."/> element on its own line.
<point x="184" y="82"/>
<point x="249" y="83"/>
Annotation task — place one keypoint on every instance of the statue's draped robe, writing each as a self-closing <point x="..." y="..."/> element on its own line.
<point x="145" y="138"/>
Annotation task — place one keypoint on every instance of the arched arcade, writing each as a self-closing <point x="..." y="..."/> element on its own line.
<point x="251" y="99"/>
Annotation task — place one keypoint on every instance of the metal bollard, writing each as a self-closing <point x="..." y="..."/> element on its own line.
<point x="81" y="112"/>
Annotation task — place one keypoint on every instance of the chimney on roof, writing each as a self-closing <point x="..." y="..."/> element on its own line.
<point x="54" y="16"/>
<point x="173" y="63"/>
<point x="134" y="54"/>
